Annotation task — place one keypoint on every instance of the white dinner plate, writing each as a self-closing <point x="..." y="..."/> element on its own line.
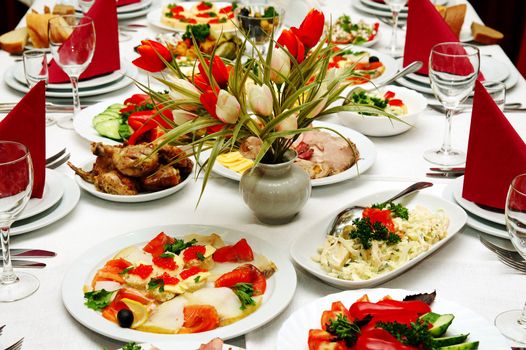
<point x="181" y="346"/>
<point x="304" y="248"/>
<point x="357" y="4"/>
<point x="365" y="147"/>
<point x="83" y="121"/>
<point x="131" y="73"/>
<point x="154" y="16"/>
<point x="474" y="221"/>
<point x="280" y="287"/>
<point x="18" y="73"/>
<point x="138" y="198"/>
<point x="458" y="185"/>
<point x="294" y="332"/>
<point x="66" y="204"/>
<point x="53" y="191"/>
<point x="357" y="18"/>
<point x="137" y="6"/>
<point x="134" y="14"/>
<point x="390" y="64"/>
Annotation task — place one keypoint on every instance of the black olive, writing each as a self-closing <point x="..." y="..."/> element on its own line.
<point x="244" y="11"/>
<point x="125" y="318"/>
<point x="373" y="59"/>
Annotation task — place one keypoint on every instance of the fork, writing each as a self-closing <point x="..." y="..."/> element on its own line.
<point x="508" y="257"/>
<point x="1" y="329"/>
<point x="16" y="346"/>
<point x="59" y="161"/>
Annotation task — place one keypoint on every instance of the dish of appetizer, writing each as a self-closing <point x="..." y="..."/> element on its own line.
<point x="405" y="104"/>
<point x="381" y="242"/>
<point x="134" y="173"/>
<point x="187" y="283"/>
<point x="258" y="21"/>
<point x="214" y="344"/>
<point x="326" y="157"/>
<point x="387" y="319"/>
<point x="177" y="16"/>
<point x="346" y="31"/>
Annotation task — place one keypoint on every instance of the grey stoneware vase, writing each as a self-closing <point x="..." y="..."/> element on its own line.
<point x="276" y="192"/>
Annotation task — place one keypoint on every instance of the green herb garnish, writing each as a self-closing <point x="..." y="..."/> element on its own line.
<point x="132" y="346"/>
<point x="345" y="23"/>
<point x="199" y="31"/>
<point x="98" y="299"/>
<point x="126" y="270"/>
<point x="397" y="210"/>
<point x="416" y="334"/>
<point x="344" y="330"/>
<point x="196" y="280"/>
<point x="365" y="232"/>
<point x="166" y="255"/>
<point x="179" y="245"/>
<point x="244" y="292"/>
<point x="200" y="256"/>
<point x="156" y="283"/>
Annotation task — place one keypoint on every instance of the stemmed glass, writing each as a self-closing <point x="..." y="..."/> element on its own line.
<point x="396" y="6"/>
<point x="16" y="184"/>
<point x="72" y="43"/>
<point x="497" y="91"/>
<point x="258" y="21"/>
<point x="85" y="5"/>
<point x="512" y="324"/>
<point x="35" y="70"/>
<point x="453" y="70"/>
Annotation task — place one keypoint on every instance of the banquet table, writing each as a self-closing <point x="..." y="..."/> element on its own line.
<point x="463" y="270"/>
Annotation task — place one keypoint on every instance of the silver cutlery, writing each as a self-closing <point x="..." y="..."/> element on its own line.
<point x="25" y="264"/>
<point x="508" y="107"/>
<point x="127" y="29"/>
<point x="344" y="217"/>
<point x="446" y="172"/>
<point x="136" y="25"/>
<point x="55" y="156"/>
<point x="16" y="346"/>
<point x="58" y="162"/>
<point x="508" y="257"/>
<point x="31" y="253"/>
<point x="2" y="329"/>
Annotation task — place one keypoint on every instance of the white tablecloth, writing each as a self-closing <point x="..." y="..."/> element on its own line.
<point x="463" y="270"/>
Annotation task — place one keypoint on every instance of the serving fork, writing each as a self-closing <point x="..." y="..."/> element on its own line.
<point x="508" y="257"/>
<point x="17" y="345"/>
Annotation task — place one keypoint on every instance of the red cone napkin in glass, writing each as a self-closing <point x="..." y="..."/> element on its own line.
<point x="425" y="29"/>
<point x="496" y="153"/>
<point x="126" y="2"/>
<point x="106" y="57"/>
<point x="26" y="124"/>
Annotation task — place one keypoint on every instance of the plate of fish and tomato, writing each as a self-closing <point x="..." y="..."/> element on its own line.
<point x="346" y="30"/>
<point x="356" y="260"/>
<point x="203" y="282"/>
<point x="327" y="161"/>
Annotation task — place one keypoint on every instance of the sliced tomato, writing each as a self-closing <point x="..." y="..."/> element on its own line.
<point x="204" y="5"/>
<point x="194" y="252"/>
<point x="156" y="245"/>
<point x="177" y="9"/>
<point x="322" y="340"/>
<point x="199" y="318"/>
<point x="395" y="102"/>
<point x="244" y="274"/>
<point x="194" y="270"/>
<point x="143" y="271"/>
<point x="167" y="263"/>
<point x="203" y="15"/>
<point x="226" y="9"/>
<point x="238" y="252"/>
<point x="378" y="215"/>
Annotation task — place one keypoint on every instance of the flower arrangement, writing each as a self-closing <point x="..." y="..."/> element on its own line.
<point x="271" y="98"/>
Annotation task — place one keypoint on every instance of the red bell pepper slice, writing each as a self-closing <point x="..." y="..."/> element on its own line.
<point x="379" y="339"/>
<point x="238" y="252"/>
<point x="359" y="310"/>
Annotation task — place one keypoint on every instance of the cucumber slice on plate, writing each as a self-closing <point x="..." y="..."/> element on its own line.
<point x="109" y="128"/>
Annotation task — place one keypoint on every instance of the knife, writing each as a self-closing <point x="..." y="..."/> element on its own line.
<point x="31" y="253"/>
<point x="449" y="170"/>
<point x="507" y="108"/>
<point x="25" y="264"/>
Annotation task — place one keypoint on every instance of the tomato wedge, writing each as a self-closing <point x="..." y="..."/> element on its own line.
<point x="157" y="244"/>
<point x="244" y="274"/>
<point x="322" y="340"/>
<point x="238" y="252"/>
<point x="199" y="318"/>
<point x="336" y="310"/>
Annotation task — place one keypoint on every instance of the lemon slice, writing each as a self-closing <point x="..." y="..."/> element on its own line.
<point x="139" y="311"/>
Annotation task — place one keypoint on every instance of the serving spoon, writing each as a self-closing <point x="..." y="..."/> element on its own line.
<point x="345" y="217"/>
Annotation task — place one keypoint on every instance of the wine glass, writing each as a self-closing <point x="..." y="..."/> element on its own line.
<point x="85" y="5"/>
<point x="497" y="91"/>
<point x="16" y="184"/>
<point x="35" y="70"/>
<point x="396" y="6"/>
<point x="258" y="22"/>
<point x="72" y="43"/>
<point x="453" y="70"/>
<point x="512" y="323"/>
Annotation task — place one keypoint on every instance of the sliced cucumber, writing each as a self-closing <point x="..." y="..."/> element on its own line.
<point x="117" y="106"/>
<point x="440" y="323"/>
<point x="464" y="346"/>
<point x="125" y="131"/>
<point x="109" y="128"/>
<point x="451" y="340"/>
<point x="102" y="118"/>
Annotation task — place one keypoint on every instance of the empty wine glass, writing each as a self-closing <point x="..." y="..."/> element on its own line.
<point x="85" y="5"/>
<point x="396" y="6"/>
<point x="35" y="70"/>
<point x="72" y="43"/>
<point x="512" y="324"/>
<point x="258" y="21"/>
<point x="16" y="184"/>
<point x="453" y="70"/>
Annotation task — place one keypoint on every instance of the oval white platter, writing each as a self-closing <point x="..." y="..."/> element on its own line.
<point x="305" y="247"/>
<point x="280" y="287"/>
<point x="294" y="332"/>
<point x="365" y="147"/>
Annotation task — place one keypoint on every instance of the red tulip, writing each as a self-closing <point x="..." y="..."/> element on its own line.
<point x="311" y="28"/>
<point x="209" y="101"/>
<point x="150" y="51"/>
<point x="219" y="71"/>
<point x="293" y="44"/>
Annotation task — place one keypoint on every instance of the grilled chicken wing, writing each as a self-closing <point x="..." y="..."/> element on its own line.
<point x="164" y="177"/>
<point x="114" y="182"/>
<point x="136" y="160"/>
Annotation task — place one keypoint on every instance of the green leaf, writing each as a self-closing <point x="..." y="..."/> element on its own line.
<point x="98" y="300"/>
<point x="244" y="292"/>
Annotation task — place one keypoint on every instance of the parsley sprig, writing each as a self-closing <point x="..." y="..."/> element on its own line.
<point x="416" y="334"/>
<point x="343" y="329"/>
<point x="98" y="299"/>
<point x="366" y="232"/>
<point x="156" y="283"/>
<point x="244" y="292"/>
<point x="397" y="210"/>
<point x="199" y="31"/>
<point x="179" y="245"/>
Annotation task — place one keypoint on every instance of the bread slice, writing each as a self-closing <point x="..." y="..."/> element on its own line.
<point x="485" y="35"/>
<point x="37" y="28"/>
<point x="63" y="10"/>
<point x="455" y="17"/>
<point x="14" y="41"/>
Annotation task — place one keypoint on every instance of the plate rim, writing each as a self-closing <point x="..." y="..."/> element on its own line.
<point x="284" y="284"/>
<point x="134" y="7"/>
<point x="81" y="121"/>
<point x="358" y="5"/>
<point x="53" y="182"/>
<point x="134" y="14"/>
<point x="341" y="283"/>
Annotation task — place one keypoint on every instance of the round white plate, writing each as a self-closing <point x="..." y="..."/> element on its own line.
<point x="82" y="123"/>
<point x="391" y="65"/>
<point x="18" y="73"/>
<point x="134" y="7"/>
<point x="369" y="22"/>
<point x="304" y="248"/>
<point x="53" y="191"/>
<point x="134" y="14"/>
<point x="294" y="331"/>
<point x="180" y="346"/>
<point x="280" y="287"/>
<point x="381" y="5"/>
<point x="138" y="198"/>
<point x="365" y="147"/>
<point x="131" y="73"/>
<point x="475" y="222"/>
<point x="357" y="4"/>
<point x="473" y="208"/>
<point x="154" y="16"/>
<point x="62" y="208"/>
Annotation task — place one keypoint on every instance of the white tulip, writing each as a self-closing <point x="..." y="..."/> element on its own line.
<point x="260" y="100"/>
<point x="279" y="65"/>
<point x="227" y="108"/>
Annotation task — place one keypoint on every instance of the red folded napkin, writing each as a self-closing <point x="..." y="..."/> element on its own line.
<point x="26" y="124"/>
<point x="425" y="29"/>
<point x="496" y="153"/>
<point x="106" y="57"/>
<point x="126" y="2"/>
